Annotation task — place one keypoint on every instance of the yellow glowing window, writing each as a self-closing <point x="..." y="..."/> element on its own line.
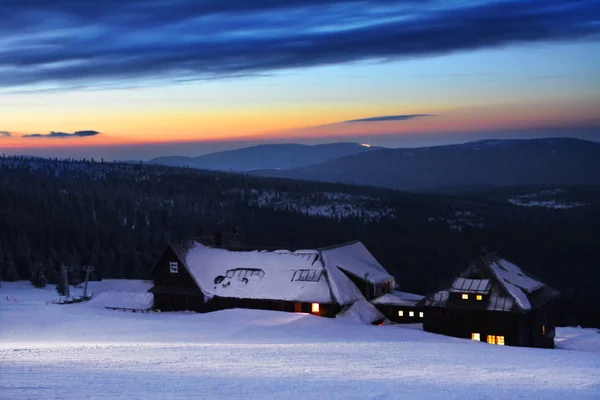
<point x="401" y="313"/>
<point x="543" y="329"/>
<point x="421" y="314"/>
<point x="491" y="339"/>
<point x="411" y="313"/>
<point x="465" y="296"/>
<point x="479" y="297"/>
<point x="315" y="307"/>
<point x="476" y="336"/>
<point x="500" y="340"/>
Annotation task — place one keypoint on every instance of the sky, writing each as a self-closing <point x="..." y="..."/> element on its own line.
<point x="139" y="79"/>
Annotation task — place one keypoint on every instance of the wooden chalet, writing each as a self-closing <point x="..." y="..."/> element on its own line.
<point x="203" y="277"/>
<point x="494" y="301"/>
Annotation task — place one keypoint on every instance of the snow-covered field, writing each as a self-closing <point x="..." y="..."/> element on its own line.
<point x="85" y="351"/>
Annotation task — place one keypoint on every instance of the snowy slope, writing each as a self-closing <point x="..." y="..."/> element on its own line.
<point x="78" y="351"/>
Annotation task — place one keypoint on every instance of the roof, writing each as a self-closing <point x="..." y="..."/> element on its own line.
<point x="508" y="287"/>
<point x="293" y="276"/>
<point x="399" y="299"/>
<point x="301" y="275"/>
<point x="355" y="258"/>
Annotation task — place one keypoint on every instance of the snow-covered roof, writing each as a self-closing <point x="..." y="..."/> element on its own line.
<point x="399" y="299"/>
<point x="279" y="275"/>
<point x="506" y="284"/>
<point x="509" y="272"/>
<point x="123" y="285"/>
<point x="362" y="311"/>
<point x="356" y="259"/>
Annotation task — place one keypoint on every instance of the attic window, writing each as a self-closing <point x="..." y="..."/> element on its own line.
<point x="479" y="297"/>
<point x="476" y="336"/>
<point x="173" y="267"/>
<point x="465" y="296"/>
<point x="307" y="275"/>
<point x="401" y="313"/>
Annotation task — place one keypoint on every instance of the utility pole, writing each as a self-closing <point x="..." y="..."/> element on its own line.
<point x="65" y="276"/>
<point x="88" y="269"/>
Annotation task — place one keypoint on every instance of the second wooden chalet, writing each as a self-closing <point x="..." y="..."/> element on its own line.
<point x="494" y="301"/>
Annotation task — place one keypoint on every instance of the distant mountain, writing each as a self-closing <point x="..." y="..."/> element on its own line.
<point x="268" y="156"/>
<point x="556" y="161"/>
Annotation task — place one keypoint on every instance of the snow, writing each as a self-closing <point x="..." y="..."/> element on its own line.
<point x="356" y="259"/>
<point x="258" y="274"/>
<point x="510" y="272"/>
<point x="122" y="293"/>
<point x="77" y="351"/>
<point x="515" y="282"/>
<point x="399" y="299"/>
<point x="362" y="311"/>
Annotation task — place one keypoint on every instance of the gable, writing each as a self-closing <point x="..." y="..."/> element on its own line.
<point x="170" y="270"/>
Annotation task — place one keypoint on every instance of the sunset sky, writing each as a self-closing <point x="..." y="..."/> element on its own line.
<point x="137" y="79"/>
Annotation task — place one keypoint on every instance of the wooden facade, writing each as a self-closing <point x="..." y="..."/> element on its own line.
<point x="174" y="288"/>
<point x="409" y="314"/>
<point x="486" y="306"/>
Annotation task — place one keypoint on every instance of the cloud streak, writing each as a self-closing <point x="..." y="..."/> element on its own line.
<point x="67" y="42"/>
<point x="389" y="118"/>
<point x="63" y="135"/>
<point x="5" y="134"/>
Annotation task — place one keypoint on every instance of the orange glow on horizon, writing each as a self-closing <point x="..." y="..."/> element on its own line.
<point x="288" y="124"/>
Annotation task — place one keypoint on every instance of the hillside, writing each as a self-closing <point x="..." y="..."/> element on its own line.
<point x="558" y="161"/>
<point x="267" y="156"/>
<point x="119" y="217"/>
<point x="85" y="351"/>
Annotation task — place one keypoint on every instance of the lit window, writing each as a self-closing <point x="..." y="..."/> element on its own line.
<point x="476" y="336"/>
<point x="401" y="313"/>
<point x="491" y="339"/>
<point x="411" y="313"/>
<point x="543" y="329"/>
<point x="315" y="308"/>
<point x="173" y="267"/>
<point x="465" y="296"/>
<point x="421" y="314"/>
<point x="479" y="297"/>
<point x="500" y="340"/>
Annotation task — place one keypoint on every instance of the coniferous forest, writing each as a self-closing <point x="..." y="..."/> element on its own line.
<point x="119" y="217"/>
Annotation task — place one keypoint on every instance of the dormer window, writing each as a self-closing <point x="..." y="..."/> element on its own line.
<point x="465" y="296"/>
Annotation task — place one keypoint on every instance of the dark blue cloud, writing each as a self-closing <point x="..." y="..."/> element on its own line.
<point x="390" y="118"/>
<point x="109" y="42"/>
<point x="62" y="135"/>
<point x="5" y="134"/>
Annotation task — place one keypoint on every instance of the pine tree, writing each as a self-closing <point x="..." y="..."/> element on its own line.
<point x="37" y="276"/>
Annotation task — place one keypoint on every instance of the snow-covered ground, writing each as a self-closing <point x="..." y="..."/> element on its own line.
<point x="84" y="351"/>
